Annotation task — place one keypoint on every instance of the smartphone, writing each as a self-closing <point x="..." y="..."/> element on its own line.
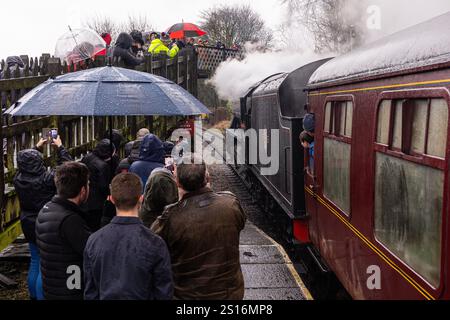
<point x="50" y="133"/>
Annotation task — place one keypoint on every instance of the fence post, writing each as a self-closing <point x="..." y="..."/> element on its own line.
<point x="185" y="71"/>
<point x="35" y="67"/>
<point x="194" y="73"/>
<point x="43" y="63"/>
<point x="176" y="69"/>
<point x="54" y="67"/>
<point x="163" y="65"/>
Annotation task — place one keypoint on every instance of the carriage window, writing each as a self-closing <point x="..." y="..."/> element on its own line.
<point x="336" y="172"/>
<point x="338" y="118"/>
<point x="384" y="115"/>
<point x="348" y="120"/>
<point x="418" y="126"/>
<point x="337" y="151"/>
<point x="437" y="128"/>
<point x="409" y="191"/>
<point x="327" y="117"/>
<point x="408" y="213"/>
<point x="398" y="115"/>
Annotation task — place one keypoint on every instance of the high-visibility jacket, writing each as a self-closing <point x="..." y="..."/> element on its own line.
<point x="158" y="47"/>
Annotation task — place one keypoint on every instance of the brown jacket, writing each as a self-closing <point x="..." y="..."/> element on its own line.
<point x="202" y="233"/>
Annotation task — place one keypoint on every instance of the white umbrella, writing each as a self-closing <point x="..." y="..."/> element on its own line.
<point x="78" y="45"/>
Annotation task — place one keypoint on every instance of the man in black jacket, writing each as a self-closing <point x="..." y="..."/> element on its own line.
<point x="62" y="234"/>
<point x="99" y="164"/>
<point x="125" y="260"/>
<point x="123" y="51"/>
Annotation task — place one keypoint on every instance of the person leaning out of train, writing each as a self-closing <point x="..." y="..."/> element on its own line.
<point x="202" y="233"/>
<point x="125" y="260"/>
<point x="161" y="190"/>
<point x="35" y="187"/>
<point x="62" y="233"/>
<point x="309" y="124"/>
<point x="307" y="141"/>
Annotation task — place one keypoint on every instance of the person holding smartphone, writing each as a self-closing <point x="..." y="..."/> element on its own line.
<point x="35" y="186"/>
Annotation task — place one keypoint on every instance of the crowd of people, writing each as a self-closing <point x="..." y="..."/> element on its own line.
<point x="131" y="47"/>
<point x="135" y="228"/>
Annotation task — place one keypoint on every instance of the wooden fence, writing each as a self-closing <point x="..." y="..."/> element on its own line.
<point x="209" y="58"/>
<point x="79" y="134"/>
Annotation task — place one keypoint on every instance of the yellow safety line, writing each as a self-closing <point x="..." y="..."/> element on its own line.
<point x="421" y="290"/>
<point x="289" y="265"/>
<point x="402" y="85"/>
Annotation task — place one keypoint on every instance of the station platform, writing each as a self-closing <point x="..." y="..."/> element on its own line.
<point x="268" y="272"/>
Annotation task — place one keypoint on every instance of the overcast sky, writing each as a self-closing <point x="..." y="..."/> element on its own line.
<point x="32" y="27"/>
<point x="35" y="27"/>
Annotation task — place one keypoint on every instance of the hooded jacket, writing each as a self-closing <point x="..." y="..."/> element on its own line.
<point x="100" y="178"/>
<point x="123" y="50"/>
<point x="34" y="186"/>
<point x="161" y="190"/>
<point x="151" y="156"/>
<point x="132" y="151"/>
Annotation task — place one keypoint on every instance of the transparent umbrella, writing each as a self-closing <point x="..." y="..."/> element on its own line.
<point x="78" y="45"/>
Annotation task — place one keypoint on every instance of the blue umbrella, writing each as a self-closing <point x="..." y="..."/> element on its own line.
<point x="108" y="91"/>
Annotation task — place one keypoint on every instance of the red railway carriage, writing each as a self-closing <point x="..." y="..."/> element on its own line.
<point x="378" y="198"/>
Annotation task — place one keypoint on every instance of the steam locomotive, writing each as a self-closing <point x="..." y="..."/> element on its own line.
<point x="374" y="207"/>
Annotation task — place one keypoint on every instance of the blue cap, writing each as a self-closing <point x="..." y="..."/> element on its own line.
<point x="309" y="123"/>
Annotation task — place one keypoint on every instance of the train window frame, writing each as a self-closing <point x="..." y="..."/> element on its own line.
<point x="417" y="159"/>
<point x="339" y="137"/>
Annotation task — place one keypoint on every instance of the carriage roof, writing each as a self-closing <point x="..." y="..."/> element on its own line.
<point x="422" y="45"/>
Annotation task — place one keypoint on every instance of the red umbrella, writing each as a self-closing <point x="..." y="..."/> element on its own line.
<point x="185" y="30"/>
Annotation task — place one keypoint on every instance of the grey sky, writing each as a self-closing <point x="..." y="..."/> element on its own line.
<point x="32" y="27"/>
<point x="35" y="28"/>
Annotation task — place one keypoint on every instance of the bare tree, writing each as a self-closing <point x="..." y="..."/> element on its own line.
<point x="235" y="24"/>
<point x="103" y="24"/>
<point x="336" y="25"/>
<point x="139" y="23"/>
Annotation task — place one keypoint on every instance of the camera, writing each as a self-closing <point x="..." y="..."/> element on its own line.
<point x="50" y="133"/>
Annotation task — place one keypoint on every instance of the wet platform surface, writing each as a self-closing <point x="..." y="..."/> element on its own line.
<point x="268" y="272"/>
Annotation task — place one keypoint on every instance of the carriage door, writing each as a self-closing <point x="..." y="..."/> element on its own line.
<point x="411" y="181"/>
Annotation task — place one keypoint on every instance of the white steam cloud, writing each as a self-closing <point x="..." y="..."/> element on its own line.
<point x="233" y="78"/>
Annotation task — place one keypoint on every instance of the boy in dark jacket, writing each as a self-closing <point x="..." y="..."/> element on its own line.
<point x="125" y="260"/>
<point x="35" y="187"/>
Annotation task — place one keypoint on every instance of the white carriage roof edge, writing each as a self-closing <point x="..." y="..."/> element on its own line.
<point x="421" y="45"/>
